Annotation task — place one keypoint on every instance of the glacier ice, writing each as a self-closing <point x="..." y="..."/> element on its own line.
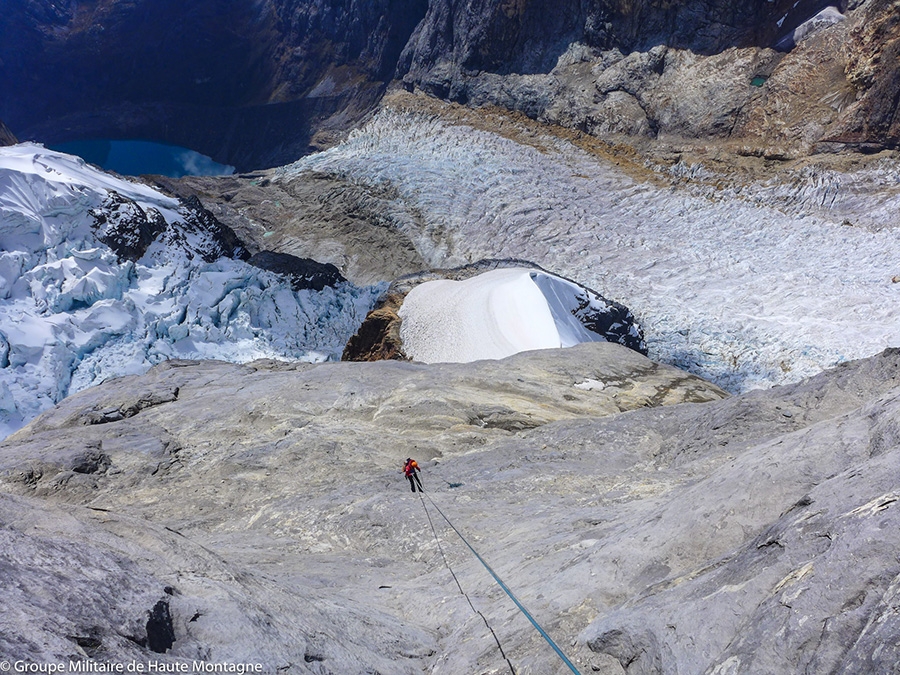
<point x="748" y="290"/>
<point x="102" y="277"/>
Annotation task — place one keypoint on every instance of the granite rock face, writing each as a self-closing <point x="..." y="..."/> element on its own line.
<point x="674" y="71"/>
<point x="213" y="468"/>
<point x="257" y="514"/>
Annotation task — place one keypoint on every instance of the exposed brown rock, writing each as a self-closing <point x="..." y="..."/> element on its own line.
<point x="801" y="96"/>
<point x="873" y="70"/>
<point x="378" y="338"/>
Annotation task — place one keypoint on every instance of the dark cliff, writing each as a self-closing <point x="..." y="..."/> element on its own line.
<point x="249" y="84"/>
<point x="783" y="78"/>
<point x="260" y="84"/>
<point x="516" y="36"/>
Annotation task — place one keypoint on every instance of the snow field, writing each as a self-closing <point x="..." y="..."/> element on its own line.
<point x="732" y="288"/>
<point x="491" y="316"/>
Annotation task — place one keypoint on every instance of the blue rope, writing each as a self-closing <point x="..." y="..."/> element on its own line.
<point x="459" y="586"/>
<point x="507" y="591"/>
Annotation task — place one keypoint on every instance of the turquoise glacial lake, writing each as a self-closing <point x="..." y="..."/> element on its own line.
<point x="134" y="157"/>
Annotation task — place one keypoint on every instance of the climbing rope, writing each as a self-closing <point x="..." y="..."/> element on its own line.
<point x="459" y="586"/>
<point x="500" y="582"/>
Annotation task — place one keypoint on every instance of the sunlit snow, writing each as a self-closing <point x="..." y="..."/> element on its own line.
<point x="72" y="314"/>
<point x="491" y="316"/>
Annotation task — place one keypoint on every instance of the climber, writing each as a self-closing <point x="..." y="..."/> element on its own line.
<point x="410" y="470"/>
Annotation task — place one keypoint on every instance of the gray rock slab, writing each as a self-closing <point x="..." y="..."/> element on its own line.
<point x="751" y="533"/>
<point x="364" y="232"/>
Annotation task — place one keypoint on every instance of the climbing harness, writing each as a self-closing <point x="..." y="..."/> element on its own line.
<point x="499" y="581"/>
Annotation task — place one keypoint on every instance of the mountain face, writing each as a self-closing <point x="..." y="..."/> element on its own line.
<point x="187" y="482"/>
<point x="248" y="84"/>
<point x="781" y="78"/>
<point x="260" y="84"/>
<point x="279" y="446"/>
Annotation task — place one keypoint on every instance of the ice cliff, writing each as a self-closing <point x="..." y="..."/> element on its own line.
<point x="101" y="277"/>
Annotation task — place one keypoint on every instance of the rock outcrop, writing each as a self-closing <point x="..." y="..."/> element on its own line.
<point x="675" y="71"/>
<point x="6" y="136"/>
<point x="255" y="514"/>
<point x="129" y="230"/>
<point x="361" y="231"/>
<point x="378" y="337"/>
<point x="303" y="272"/>
<point x="874" y="77"/>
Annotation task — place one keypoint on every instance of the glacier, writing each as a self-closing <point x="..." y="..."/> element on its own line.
<point x="75" y="312"/>
<point x="751" y="286"/>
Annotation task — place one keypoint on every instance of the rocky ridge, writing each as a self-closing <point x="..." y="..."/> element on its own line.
<point x="778" y="79"/>
<point x="6" y="136"/>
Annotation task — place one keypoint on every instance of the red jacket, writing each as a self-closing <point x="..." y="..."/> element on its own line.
<point x="410" y="468"/>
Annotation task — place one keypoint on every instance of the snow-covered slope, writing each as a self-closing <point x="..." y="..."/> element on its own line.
<point x="497" y="314"/>
<point x="748" y="288"/>
<point x="75" y="311"/>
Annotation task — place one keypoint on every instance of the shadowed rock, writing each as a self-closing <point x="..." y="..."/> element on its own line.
<point x="272" y="81"/>
<point x="125" y="227"/>
<point x="250" y="85"/>
<point x="160" y="631"/>
<point x="129" y="231"/>
<point x="302" y="272"/>
<point x="6" y="136"/>
<point x="378" y="338"/>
